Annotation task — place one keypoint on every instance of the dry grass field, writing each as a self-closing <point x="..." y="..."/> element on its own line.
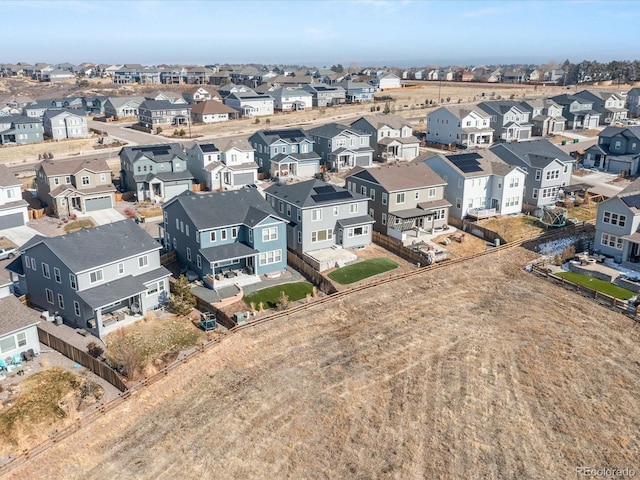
<point x="477" y="370"/>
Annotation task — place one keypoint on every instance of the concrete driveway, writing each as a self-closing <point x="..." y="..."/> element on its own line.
<point x="108" y="215"/>
<point x="19" y="235"/>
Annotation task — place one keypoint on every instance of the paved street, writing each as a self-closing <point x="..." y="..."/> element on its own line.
<point x="121" y="131"/>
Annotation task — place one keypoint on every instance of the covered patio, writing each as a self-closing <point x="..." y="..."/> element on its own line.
<point x="230" y="264"/>
<point x="476" y="137"/>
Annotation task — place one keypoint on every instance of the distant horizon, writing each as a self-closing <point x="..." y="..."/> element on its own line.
<point x="392" y="33"/>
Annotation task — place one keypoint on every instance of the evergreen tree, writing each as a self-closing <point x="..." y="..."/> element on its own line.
<point x="182" y="299"/>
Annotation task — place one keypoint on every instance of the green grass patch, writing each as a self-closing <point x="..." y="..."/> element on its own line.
<point x="597" y="284"/>
<point x="78" y="225"/>
<point x="361" y="270"/>
<point x="269" y="296"/>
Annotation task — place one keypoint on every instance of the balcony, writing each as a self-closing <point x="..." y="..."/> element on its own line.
<point x="480" y="213"/>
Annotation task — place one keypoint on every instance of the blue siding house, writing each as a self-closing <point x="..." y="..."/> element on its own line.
<point x="225" y="234"/>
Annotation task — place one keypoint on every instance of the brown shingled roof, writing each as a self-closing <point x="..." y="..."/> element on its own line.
<point x="15" y="316"/>
<point x="403" y="176"/>
<point x="68" y="167"/>
<point x="210" y="107"/>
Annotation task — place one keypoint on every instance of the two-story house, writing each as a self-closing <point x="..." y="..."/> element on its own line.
<point x="617" y="150"/>
<point x="291" y="99"/>
<point x="154" y="113"/>
<point x="65" y="123"/>
<point x="578" y="111"/>
<point x="546" y="117"/>
<point x="225" y="233"/>
<point x="286" y="153"/>
<point x="199" y="94"/>
<point x="326" y="95"/>
<point x="13" y="209"/>
<point x="321" y="215"/>
<point x="548" y="168"/>
<point x="391" y="137"/>
<point x="617" y="232"/>
<point x="224" y="163"/>
<point x="479" y="184"/>
<point x="250" y="104"/>
<point x="122" y="107"/>
<point x="386" y="81"/>
<point x="632" y="102"/>
<point x="20" y="129"/>
<point x="403" y="197"/>
<point x="156" y="172"/>
<point x="508" y="119"/>
<point x="99" y="279"/>
<point x="465" y="126"/>
<point x="358" y="92"/>
<point x="342" y="147"/>
<point x="610" y="105"/>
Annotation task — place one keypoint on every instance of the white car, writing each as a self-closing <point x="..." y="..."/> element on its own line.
<point x="7" y="253"/>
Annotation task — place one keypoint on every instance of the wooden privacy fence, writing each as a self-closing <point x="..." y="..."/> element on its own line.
<point x="168" y="258"/>
<point x="83" y="358"/>
<point x="310" y="273"/>
<point x="484" y="233"/>
<point x="221" y="317"/>
<point x="396" y="247"/>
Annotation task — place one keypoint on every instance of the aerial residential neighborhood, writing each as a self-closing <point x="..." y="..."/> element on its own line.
<point x="242" y="250"/>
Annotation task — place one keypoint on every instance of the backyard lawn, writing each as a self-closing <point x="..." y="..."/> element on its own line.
<point x="269" y="296"/>
<point x="597" y="284"/>
<point x="361" y="270"/>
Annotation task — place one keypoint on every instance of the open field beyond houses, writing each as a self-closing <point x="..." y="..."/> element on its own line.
<point x="477" y="370"/>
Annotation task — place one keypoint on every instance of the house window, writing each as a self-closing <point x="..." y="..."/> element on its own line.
<point x="197" y="236"/>
<point x="60" y="301"/>
<point x="269" y="234"/>
<point x="186" y="230"/>
<point x="299" y="215"/>
<point x="177" y="224"/>
<point x="336" y="210"/>
<point x="251" y="235"/>
<point x="199" y="261"/>
<point x="152" y="289"/>
<point x="612" y="241"/>
<point x="223" y="234"/>
<point x="76" y="308"/>
<point x="358" y="231"/>
<point x="384" y="218"/>
<point x="353" y="208"/>
<point x="45" y="270"/>
<point x="56" y="275"/>
<point x="121" y="268"/>
<point x="288" y="210"/>
<point x="85" y="180"/>
<point x="267" y="258"/>
<point x="321" y="235"/>
<point x="363" y="190"/>
<point x="234" y="230"/>
<point x="49" y="294"/>
<point x="175" y="243"/>
<point x="12" y="342"/>
<point x="56" y="181"/>
<point x="400" y="198"/>
<point x="103" y="177"/>
<point x="538" y="172"/>
<point x="372" y="194"/>
<point x="299" y="236"/>
<point x="384" y="198"/>
<point x="188" y="254"/>
<point x="72" y="281"/>
<point x="316" y="215"/>
<point x="614" y="219"/>
<point x="181" y="226"/>
<point x="553" y="174"/>
<point x="431" y="193"/>
<point x="514" y="182"/>
<point x="535" y="193"/>
<point x="281" y="207"/>
<point x="459" y="183"/>
<point x="143" y="261"/>
<point x="95" y="276"/>
<point x="212" y="236"/>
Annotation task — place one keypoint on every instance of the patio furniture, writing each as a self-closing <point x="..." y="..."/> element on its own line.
<point x="3" y="365"/>
<point x="17" y="359"/>
<point x="229" y="274"/>
<point x="28" y="355"/>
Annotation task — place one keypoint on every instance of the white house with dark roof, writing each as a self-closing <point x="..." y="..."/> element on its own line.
<point x="466" y="126"/>
<point x="326" y="95"/>
<point x="122" y="107"/>
<point x="290" y="99"/>
<point x="157" y="172"/>
<point x="610" y="105"/>
<point x="546" y="117"/>
<point x="391" y="137"/>
<point x="321" y="215"/>
<point x="548" y="168"/>
<point x="13" y="209"/>
<point x="99" y="279"/>
<point x="65" y="123"/>
<point x="386" y="81"/>
<point x="250" y="104"/>
<point x="342" y="147"/>
<point x="223" y="163"/>
<point x="509" y="120"/>
<point x="18" y="328"/>
<point x="578" y="111"/>
<point x="479" y="183"/>
<point x="235" y="235"/>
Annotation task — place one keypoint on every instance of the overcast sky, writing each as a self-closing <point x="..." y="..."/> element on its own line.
<point x="322" y="32"/>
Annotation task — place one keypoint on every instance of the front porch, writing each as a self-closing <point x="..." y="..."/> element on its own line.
<point x="477" y="139"/>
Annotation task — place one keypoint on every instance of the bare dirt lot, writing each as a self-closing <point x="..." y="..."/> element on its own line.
<point x="477" y="370"/>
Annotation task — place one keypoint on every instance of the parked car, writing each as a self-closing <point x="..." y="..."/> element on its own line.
<point x="7" y="253"/>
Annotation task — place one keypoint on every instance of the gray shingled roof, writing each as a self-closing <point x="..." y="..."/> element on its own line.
<point x="112" y="291"/>
<point x="288" y="135"/>
<point x="15" y="316"/>
<point x="211" y="210"/>
<point x="537" y="153"/>
<point x="102" y="245"/>
<point x="7" y="177"/>
<point x="138" y="151"/>
<point x="331" y="130"/>
<point x="228" y="251"/>
<point x="303" y="193"/>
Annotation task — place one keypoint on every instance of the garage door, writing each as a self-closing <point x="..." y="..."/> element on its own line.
<point x="363" y="161"/>
<point x="307" y="170"/>
<point x="12" y="220"/>
<point x="243" y="179"/>
<point x="97" y="203"/>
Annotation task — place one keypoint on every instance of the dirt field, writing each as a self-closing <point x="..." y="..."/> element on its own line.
<point x="475" y="371"/>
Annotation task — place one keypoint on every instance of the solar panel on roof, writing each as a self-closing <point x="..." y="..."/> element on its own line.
<point x="330" y="197"/>
<point x="632" y="200"/>
<point x="324" y="189"/>
<point x="285" y="133"/>
<point x="208" y="148"/>
<point x="466" y="162"/>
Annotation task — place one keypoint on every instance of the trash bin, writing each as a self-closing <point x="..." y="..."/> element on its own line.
<point x="564" y="142"/>
<point x="496" y="242"/>
<point x="57" y="320"/>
